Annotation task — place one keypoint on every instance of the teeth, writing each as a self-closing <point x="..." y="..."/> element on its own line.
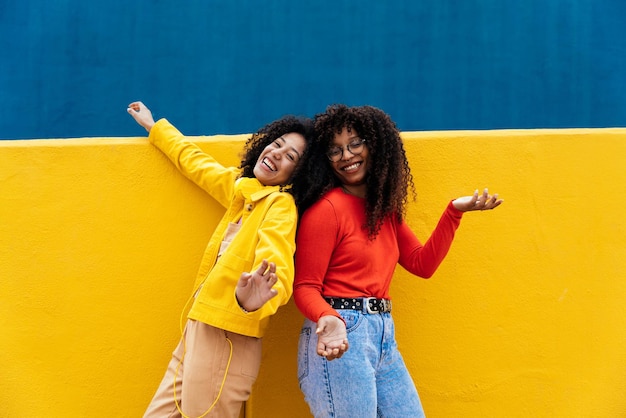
<point x="351" y="167"/>
<point x="269" y="164"/>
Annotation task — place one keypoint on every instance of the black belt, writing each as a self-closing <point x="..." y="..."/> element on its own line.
<point x="365" y="305"/>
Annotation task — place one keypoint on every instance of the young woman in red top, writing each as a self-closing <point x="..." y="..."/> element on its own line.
<point x="347" y="247"/>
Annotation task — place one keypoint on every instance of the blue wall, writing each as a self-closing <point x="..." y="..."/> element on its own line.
<point x="69" y="67"/>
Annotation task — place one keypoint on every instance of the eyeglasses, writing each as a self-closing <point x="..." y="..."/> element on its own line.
<point x="355" y="147"/>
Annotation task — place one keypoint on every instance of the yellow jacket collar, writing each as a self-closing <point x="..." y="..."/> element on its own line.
<point x="252" y="189"/>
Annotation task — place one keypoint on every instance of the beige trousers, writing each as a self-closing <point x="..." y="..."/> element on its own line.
<point x="198" y="366"/>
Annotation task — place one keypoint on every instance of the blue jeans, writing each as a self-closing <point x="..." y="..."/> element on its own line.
<point x="369" y="381"/>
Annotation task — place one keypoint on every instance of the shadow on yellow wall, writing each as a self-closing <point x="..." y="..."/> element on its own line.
<point x="100" y="240"/>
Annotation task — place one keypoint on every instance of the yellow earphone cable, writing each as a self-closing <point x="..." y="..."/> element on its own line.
<point x="180" y="362"/>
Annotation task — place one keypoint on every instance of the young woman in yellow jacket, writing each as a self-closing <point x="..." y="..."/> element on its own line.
<point x="247" y="269"/>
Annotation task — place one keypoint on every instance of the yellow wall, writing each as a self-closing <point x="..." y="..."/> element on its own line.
<point x="100" y="240"/>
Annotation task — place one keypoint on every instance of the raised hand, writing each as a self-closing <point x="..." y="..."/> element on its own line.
<point x="141" y="114"/>
<point x="254" y="289"/>
<point x="477" y="202"/>
<point x="332" y="340"/>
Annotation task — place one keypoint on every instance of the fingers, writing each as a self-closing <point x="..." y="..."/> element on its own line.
<point x="492" y="202"/>
<point x="135" y="106"/>
<point x="321" y="349"/>
<point x="332" y="353"/>
<point x="267" y="271"/>
<point x="262" y="268"/>
<point x="329" y="353"/>
<point x="271" y="277"/>
<point x="479" y="203"/>
<point x="486" y="202"/>
<point x="266" y="268"/>
<point x="474" y="202"/>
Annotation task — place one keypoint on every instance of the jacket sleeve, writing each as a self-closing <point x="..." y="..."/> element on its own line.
<point x="276" y="243"/>
<point x="193" y="163"/>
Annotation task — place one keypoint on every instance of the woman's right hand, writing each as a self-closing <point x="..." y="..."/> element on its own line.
<point x="332" y="339"/>
<point x="141" y="114"/>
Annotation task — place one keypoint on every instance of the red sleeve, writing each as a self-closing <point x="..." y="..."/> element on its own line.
<point x="315" y="241"/>
<point x="423" y="260"/>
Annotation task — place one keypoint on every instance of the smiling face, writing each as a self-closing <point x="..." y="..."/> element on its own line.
<point x="279" y="159"/>
<point x="351" y="169"/>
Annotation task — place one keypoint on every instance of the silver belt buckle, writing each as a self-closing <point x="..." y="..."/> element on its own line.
<point x="367" y="306"/>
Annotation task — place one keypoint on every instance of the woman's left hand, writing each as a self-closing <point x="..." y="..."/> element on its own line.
<point x="477" y="202"/>
<point x="332" y="339"/>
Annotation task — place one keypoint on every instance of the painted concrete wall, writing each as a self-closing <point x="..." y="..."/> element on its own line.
<point x="432" y="65"/>
<point x="100" y="240"/>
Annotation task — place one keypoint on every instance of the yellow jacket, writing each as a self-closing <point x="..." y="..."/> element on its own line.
<point x="268" y="227"/>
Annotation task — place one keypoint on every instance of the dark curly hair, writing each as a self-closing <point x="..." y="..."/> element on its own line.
<point x="266" y="135"/>
<point x="389" y="178"/>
